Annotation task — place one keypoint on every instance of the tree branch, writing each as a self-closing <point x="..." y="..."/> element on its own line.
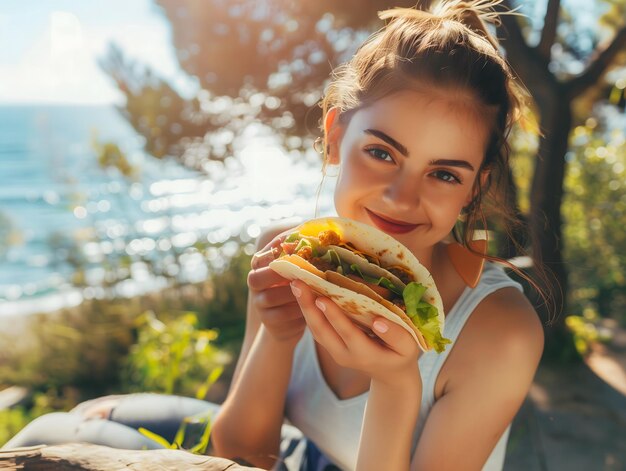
<point x="88" y="457"/>
<point x="548" y="33"/>
<point x="524" y="59"/>
<point x="601" y="60"/>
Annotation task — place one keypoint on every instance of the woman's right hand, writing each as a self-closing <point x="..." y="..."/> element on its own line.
<point x="272" y="298"/>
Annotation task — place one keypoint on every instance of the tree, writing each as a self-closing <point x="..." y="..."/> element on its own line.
<point x="555" y="91"/>
<point x="268" y="60"/>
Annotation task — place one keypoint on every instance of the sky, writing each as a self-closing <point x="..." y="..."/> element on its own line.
<point x="49" y="48"/>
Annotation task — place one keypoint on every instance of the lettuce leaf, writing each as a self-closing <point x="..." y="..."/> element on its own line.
<point x="382" y="281"/>
<point x="332" y="256"/>
<point x="424" y="316"/>
<point x="294" y="236"/>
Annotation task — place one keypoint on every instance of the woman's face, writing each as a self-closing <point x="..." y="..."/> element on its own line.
<point x="408" y="164"/>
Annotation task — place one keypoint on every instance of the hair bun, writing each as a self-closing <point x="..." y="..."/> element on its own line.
<point x="461" y="10"/>
<point x="475" y="15"/>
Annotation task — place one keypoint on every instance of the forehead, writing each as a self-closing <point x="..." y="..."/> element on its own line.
<point x="427" y="124"/>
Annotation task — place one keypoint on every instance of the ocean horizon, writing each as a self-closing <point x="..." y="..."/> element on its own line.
<point x="53" y="195"/>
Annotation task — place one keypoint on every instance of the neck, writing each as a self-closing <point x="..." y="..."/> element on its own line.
<point x="433" y="259"/>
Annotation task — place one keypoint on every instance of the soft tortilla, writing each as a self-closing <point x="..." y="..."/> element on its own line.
<point x="360" y="307"/>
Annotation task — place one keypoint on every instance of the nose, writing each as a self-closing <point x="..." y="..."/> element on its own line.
<point x="402" y="192"/>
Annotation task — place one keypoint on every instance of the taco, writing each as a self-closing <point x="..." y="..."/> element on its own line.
<point x="367" y="273"/>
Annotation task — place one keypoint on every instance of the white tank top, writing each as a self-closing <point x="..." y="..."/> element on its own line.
<point x="334" y="425"/>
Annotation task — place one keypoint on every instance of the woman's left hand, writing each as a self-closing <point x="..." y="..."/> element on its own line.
<point x="390" y="358"/>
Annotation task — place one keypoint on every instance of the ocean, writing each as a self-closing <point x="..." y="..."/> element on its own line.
<point x="58" y="205"/>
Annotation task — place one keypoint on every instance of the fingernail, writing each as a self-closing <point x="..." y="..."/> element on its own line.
<point x="295" y="290"/>
<point x="381" y="327"/>
<point x="320" y="304"/>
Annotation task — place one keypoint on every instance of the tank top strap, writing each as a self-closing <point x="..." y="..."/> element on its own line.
<point x="431" y="362"/>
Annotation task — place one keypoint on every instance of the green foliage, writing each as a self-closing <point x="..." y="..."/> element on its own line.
<point x="226" y="308"/>
<point x="594" y="210"/>
<point x="85" y="347"/>
<point x="110" y="155"/>
<point x="192" y="435"/>
<point x="165" y="119"/>
<point x="14" y="419"/>
<point x="78" y="348"/>
<point x="86" y="352"/>
<point x="174" y="357"/>
<point x="586" y="331"/>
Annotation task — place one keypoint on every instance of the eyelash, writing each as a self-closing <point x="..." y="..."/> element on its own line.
<point x="444" y="175"/>
<point x="455" y="180"/>
<point x="372" y="150"/>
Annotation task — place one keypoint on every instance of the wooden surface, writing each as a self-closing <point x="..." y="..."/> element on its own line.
<point x="87" y="457"/>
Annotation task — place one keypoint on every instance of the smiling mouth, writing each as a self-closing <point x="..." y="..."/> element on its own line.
<point x="390" y="225"/>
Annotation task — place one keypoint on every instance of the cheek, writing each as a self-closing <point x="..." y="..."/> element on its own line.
<point x="444" y="206"/>
<point x="346" y="193"/>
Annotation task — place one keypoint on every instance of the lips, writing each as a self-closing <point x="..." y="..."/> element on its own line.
<point x="389" y="225"/>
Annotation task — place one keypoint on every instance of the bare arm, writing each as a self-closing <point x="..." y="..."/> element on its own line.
<point x="253" y="320"/>
<point x="390" y="415"/>
<point x="250" y="420"/>
<point x="494" y="364"/>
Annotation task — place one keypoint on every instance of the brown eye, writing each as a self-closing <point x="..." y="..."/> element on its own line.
<point x="379" y="154"/>
<point x="447" y="177"/>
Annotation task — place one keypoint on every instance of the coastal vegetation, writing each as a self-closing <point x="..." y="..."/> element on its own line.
<point x="178" y="339"/>
<point x="158" y="342"/>
<point x="573" y="69"/>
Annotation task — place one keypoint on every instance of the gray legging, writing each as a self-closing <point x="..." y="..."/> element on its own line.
<point x="158" y="413"/>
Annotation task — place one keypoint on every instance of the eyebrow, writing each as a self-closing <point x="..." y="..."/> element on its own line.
<point x="404" y="151"/>
<point x="389" y="140"/>
<point x="452" y="163"/>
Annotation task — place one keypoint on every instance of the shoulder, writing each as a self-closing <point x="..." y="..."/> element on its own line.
<point x="487" y="376"/>
<point x="507" y="321"/>
<point x="502" y="341"/>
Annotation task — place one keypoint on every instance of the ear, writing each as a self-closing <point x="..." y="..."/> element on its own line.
<point x="333" y="132"/>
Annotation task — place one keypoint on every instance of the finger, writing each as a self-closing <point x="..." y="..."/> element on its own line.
<point x="275" y="297"/>
<point x="322" y="330"/>
<point x="283" y="318"/>
<point x="343" y="325"/>
<point x="265" y="256"/>
<point x="396" y="337"/>
<point x="265" y="278"/>
<point x="279" y="315"/>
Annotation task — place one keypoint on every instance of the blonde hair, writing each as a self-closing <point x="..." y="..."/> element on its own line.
<point x="449" y="49"/>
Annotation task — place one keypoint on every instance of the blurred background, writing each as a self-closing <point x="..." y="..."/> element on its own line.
<point x="145" y="143"/>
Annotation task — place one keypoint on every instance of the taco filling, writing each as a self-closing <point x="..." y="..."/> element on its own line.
<point x="328" y="253"/>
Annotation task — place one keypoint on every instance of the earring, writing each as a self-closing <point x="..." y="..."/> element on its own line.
<point x="318" y="145"/>
<point x="467" y="264"/>
<point x="470" y="261"/>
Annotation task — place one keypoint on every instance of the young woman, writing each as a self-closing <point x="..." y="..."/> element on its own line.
<point x="416" y="123"/>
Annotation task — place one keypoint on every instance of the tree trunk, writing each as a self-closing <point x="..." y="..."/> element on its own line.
<point x="88" y="457"/>
<point x="545" y="213"/>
